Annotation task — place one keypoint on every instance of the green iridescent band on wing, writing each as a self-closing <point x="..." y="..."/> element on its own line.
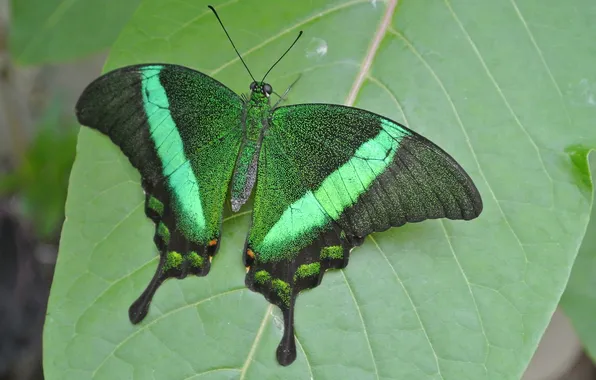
<point x="170" y="148"/>
<point x="340" y="190"/>
<point x="197" y="193"/>
<point x="384" y="175"/>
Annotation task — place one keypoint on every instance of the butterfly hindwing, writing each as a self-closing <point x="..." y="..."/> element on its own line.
<point x="328" y="176"/>
<point x="182" y="130"/>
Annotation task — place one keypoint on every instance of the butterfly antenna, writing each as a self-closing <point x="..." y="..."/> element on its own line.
<point x="232" y="42"/>
<point x="283" y="55"/>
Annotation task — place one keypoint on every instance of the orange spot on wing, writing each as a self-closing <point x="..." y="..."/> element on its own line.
<point x="212" y="243"/>
<point x="250" y="253"/>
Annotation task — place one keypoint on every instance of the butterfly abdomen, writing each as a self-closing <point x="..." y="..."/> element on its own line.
<point x="254" y="121"/>
<point x="245" y="174"/>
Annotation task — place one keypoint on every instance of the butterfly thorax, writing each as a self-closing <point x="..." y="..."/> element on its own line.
<point x="255" y="115"/>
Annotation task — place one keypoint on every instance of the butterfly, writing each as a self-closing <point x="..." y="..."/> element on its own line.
<point x="324" y="176"/>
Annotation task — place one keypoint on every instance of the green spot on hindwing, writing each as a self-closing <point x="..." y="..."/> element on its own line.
<point x="262" y="277"/>
<point x="156" y="205"/>
<point x="163" y="232"/>
<point x="170" y="148"/>
<point x="307" y="270"/>
<point x="195" y="260"/>
<point x="333" y="252"/>
<point x="282" y="289"/>
<point x="173" y="261"/>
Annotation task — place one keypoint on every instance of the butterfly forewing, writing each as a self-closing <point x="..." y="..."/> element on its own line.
<point x="182" y="130"/>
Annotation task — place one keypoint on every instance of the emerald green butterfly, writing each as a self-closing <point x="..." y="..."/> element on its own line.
<point x="325" y="176"/>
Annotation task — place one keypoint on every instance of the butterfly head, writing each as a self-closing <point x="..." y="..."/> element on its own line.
<point x="261" y="88"/>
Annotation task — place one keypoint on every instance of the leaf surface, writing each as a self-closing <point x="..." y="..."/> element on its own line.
<point x="491" y="82"/>
<point x="579" y="299"/>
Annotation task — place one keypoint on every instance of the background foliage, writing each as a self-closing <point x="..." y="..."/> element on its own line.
<point x="56" y="30"/>
<point x="40" y="181"/>
<point x="507" y="87"/>
<point x="579" y="299"/>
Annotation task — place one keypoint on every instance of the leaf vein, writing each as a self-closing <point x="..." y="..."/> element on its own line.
<point x="465" y="276"/>
<point x="372" y="52"/>
<point x="197" y="18"/>
<point x="255" y="343"/>
<point x="500" y="92"/>
<point x="151" y="323"/>
<point x="539" y="51"/>
<point x="414" y="308"/>
<point x="286" y="31"/>
<point x="214" y="370"/>
<point x="466" y="135"/>
<point x="305" y="357"/>
<point x="372" y="355"/>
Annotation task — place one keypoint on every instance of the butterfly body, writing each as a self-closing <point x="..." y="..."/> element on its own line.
<point x="255" y="119"/>
<point x="324" y="177"/>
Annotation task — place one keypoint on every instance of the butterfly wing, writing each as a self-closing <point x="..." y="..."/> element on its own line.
<point x="182" y="130"/>
<point x="329" y="175"/>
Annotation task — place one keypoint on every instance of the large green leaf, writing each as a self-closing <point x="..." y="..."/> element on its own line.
<point x="509" y="88"/>
<point x="579" y="299"/>
<point x="56" y="30"/>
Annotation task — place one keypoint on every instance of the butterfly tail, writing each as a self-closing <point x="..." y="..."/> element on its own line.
<point x="280" y="281"/>
<point x="179" y="257"/>
<point x="286" y="350"/>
